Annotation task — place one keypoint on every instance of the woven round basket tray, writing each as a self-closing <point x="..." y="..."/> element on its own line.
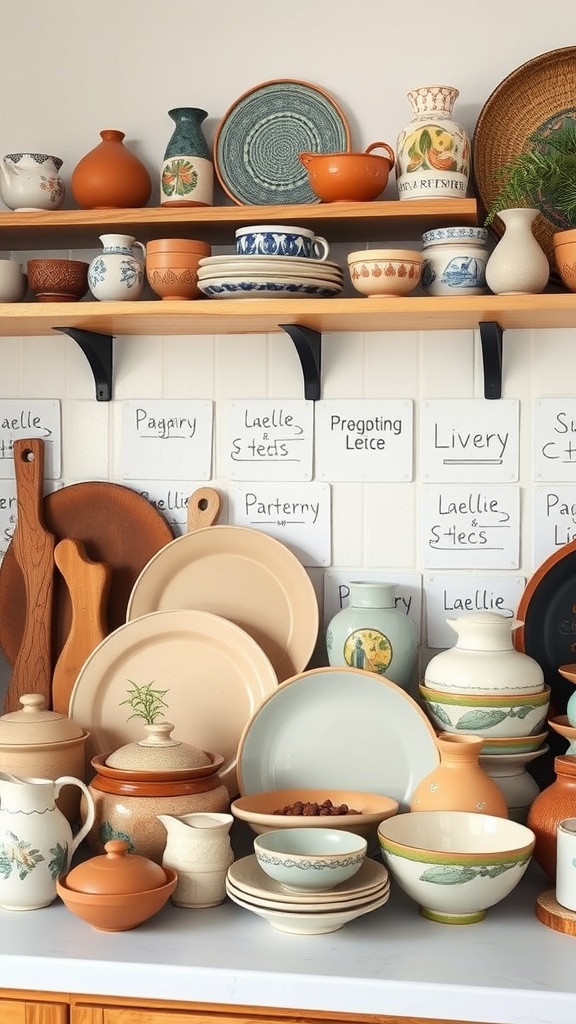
<point x="539" y="96"/>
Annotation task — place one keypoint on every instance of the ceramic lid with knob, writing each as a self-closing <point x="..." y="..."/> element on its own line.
<point x="35" y="724"/>
<point x="158" y="751"/>
<point x="116" y="871"/>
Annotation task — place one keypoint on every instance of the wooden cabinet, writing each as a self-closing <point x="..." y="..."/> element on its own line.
<point x="33" y="1008"/>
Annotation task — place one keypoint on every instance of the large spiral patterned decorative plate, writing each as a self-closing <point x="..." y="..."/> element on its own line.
<point x="259" y="138"/>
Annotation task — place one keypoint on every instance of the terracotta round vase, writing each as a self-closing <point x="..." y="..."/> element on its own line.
<point x="459" y="783"/>
<point x="110" y="176"/>
<point x="371" y="633"/>
<point x="553" y="804"/>
<point x="564" y="244"/>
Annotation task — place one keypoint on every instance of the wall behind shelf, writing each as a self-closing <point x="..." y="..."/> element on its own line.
<point x="127" y="65"/>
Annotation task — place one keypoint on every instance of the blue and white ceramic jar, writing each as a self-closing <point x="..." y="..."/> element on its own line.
<point x="371" y="633"/>
<point x="117" y="274"/>
<point x="454" y="261"/>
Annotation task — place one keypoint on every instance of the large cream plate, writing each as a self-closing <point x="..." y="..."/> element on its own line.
<point x="248" y="878"/>
<point x="337" y="728"/>
<point x="213" y="672"/>
<point x="302" y="923"/>
<point x="244" y="575"/>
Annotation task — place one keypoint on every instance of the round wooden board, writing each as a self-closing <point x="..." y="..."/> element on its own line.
<point x="550" y="913"/>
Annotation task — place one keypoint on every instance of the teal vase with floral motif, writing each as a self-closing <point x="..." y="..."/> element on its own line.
<point x="187" y="175"/>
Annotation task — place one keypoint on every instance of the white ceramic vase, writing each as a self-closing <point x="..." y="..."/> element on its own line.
<point x="372" y="634"/>
<point x="117" y="274"/>
<point x="433" y="151"/>
<point x="518" y="265"/>
<point x="484" y="660"/>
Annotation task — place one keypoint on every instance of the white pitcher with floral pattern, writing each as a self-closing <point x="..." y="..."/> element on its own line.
<point x="36" y="843"/>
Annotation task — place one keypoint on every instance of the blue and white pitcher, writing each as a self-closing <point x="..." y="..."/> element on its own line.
<point x="117" y="274"/>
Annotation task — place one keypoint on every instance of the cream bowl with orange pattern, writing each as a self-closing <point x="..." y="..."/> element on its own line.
<point x="385" y="273"/>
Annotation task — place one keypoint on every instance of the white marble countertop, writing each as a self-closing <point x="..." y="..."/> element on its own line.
<point x="509" y="968"/>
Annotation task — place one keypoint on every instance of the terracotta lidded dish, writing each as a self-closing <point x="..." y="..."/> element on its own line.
<point x="118" y="890"/>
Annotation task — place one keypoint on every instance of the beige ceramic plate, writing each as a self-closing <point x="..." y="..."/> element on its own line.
<point x="318" y="923"/>
<point x="307" y="908"/>
<point x="213" y="672"/>
<point x="247" y="876"/>
<point x="243" y="575"/>
<point x="258" y="810"/>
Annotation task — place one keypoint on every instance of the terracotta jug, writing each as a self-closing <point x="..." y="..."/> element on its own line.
<point x="553" y="804"/>
<point x="110" y="176"/>
<point x="459" y="783"/>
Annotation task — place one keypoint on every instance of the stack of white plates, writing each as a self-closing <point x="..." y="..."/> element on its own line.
<point x="269" y="277"/>
<point x="307" y="913"/>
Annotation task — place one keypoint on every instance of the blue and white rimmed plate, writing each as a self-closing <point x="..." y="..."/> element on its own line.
<point x="331" y="728"/>
<point x="259" y="138"/>
<point x="255" y="287"/>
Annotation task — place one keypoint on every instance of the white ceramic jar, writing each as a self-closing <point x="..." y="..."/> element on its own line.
<point x="484" y="660"/>
<point x="454" y="261"/>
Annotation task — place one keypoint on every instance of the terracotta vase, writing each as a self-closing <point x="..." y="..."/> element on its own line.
<point x="459" y="783"/>
<point x="553" y="804"/>
<point x="110" y="176"/>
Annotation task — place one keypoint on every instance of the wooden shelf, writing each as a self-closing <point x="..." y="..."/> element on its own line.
<point x="263" y="316"/>
<point x="360" y="222"/>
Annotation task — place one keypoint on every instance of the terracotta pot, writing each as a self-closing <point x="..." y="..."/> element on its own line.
<point x="459" y="783"/>
<point x="55" y="280"/>
<point x="174" y="275"/>
<point x="349" y="177"/>
<point x="110" y="176"/>
<point x="553" y="804"/>
<point x="564" y="243"/>
<point x="127" y="807"/>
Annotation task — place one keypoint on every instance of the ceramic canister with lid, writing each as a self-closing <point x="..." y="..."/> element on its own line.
<point x="157" y="775"/>
<point x="454" y="261"/>
<point x="484" y="660"/>
<point x="38" y="743"/>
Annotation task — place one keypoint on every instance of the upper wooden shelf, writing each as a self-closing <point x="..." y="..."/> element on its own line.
<point x="262" y="316"/>
<point x="360" y="222"/>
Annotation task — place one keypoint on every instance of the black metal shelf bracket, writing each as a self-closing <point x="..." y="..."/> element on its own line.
<point x="308" y="344"/>
<point x="491" y="336"/>
<point x="98" y="351"/>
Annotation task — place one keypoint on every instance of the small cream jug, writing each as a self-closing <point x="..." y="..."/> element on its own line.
<point x="31" y="181"/>
<point x="36" y="843"/>
<point x="198" y="847"/>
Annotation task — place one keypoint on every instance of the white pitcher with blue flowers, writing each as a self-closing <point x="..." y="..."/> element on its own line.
<point x="117" y="274"/>
<point x="36" y="843"/>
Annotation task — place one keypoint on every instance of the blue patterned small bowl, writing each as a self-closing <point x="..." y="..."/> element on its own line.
<point x="455" y="234"/>
<point x="310" y="859"/>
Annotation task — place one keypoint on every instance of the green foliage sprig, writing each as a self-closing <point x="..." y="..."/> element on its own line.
<point x="145" y="702"/>
<point x="542" y="176"/>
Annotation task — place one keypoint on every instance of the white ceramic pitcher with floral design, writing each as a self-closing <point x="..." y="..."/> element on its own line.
<point x="36" y="843"/>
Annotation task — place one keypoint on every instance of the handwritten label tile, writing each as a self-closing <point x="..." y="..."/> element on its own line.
<point x="554" y="431"/>
<point x="270" y="440"/>
<point x="469" y="440"/>
<point x="554" y="516"/>
<point x="471" y="527"/>
<point x="167" y="440"/>
<point x="171" y="499"/>
<point x="447" y="597"/>
<point x="364" y="440"/>
<point x="37" y="417"/>
<point x="337" y="590"/>
<point x="299" y="516"/>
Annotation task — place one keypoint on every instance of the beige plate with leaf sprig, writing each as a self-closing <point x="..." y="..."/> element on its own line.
<point x="204" y="673"/>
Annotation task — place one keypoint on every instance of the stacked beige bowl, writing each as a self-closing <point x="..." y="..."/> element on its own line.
<point x="483" y="686"/>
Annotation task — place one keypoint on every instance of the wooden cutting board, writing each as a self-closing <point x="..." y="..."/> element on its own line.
<point x="32" y="548"/>
<point x="117" y="527"/>
<point x="88" y="585"/>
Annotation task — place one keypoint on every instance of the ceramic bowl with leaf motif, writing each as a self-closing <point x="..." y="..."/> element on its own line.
<point x="455" y="864"/>
<point x="490" y="715"/>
